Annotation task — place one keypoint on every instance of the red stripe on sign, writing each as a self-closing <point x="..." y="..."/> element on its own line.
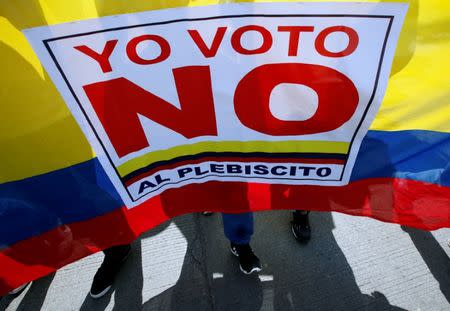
<point x="233" y="159"/>
<point x="408" y="202"/>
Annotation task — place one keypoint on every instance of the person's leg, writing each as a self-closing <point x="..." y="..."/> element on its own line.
<point x="238" y="228"/>
<point x="300" y="226"/>
<point x="114" y="259"/>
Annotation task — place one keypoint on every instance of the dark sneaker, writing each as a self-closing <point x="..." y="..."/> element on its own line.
<point x="114" y="259"/>
<point x="300" y="226"/>
<point x="207" y="213"/>
<point x="248" y="262"/>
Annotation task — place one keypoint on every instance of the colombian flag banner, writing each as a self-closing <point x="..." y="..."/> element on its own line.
<point x="119" y="115"/>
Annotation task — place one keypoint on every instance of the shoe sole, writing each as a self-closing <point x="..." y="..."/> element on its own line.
<point x="103" y="292"/>
<point x="19" y="289"/>
<point x="253" y="270"/>
<point x="240" y="267"/>
<point x="293" y="232"/>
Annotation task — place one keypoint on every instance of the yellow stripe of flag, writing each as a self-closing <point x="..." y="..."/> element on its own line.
<point x="38" y="134"/>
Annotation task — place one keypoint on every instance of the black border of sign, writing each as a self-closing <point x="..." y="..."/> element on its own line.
<point x="49" y="50"/>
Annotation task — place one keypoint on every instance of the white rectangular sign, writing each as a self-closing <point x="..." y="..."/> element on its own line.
<point x="257" y="92"/>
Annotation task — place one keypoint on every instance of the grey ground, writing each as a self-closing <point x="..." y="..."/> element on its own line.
<point x="351" y="263"/>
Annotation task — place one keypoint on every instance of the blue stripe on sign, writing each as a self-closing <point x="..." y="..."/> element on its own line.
<point x="38" y="204"/>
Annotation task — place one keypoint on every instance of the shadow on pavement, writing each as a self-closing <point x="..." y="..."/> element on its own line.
<point x="316" y="276"/>
<point x="191" y="291"/>
<point x="127" y="290"/>
<point x="434" y="256"/>
<point x="34" y="297"/>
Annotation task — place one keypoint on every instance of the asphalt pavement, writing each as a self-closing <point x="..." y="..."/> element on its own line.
<point x="351" y="263"/>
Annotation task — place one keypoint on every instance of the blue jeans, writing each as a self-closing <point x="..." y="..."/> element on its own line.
<point x="238" y="228"/>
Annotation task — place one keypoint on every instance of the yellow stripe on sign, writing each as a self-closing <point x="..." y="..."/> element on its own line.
<point x="234" y="146"/>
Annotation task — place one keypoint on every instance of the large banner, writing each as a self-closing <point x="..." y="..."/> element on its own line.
<point x="260" y="92"/>
<point x="116" y="116"/>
